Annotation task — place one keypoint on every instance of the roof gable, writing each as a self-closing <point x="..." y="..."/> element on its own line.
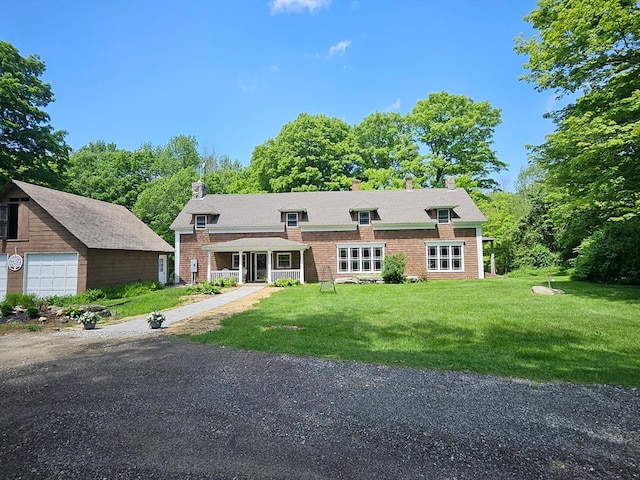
<point x="96" y="224"/>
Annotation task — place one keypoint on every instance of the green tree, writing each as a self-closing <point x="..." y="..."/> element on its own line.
<point x="457" y="134"/>
<point x="384" y="151"/>
<point x="589" y="49"/>
<point x="310" y="153"/>
<point x="163" y="199"/>
<point x="30" y="149"/>
<point x="226" y="176"/>
<point x="102" y="171"/>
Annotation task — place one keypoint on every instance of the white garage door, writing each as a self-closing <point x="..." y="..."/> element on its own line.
<point x="3" y="276"/>
<point x="49" y="274"/>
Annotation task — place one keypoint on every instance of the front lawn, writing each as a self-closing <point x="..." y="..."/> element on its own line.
<point x="495" y="326"/>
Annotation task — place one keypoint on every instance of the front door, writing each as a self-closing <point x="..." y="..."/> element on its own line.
<point x="259" y="267"/>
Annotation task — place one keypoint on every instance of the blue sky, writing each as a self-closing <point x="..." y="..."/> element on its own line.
<point x="232" y="73"/>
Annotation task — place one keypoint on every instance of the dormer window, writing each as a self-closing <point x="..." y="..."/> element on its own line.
<point x="292" y="219"/>
<point x="201" y="222"/>
<point x="364" y="218"/>
<point x="443" y="215"/>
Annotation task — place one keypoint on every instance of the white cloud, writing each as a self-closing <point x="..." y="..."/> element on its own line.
<point x="274" y="68"/>
<point x="394" y="106"/>
<point x="250" y="84"/>
<point x="339" y="47"/>
<point x="297" y="6"/>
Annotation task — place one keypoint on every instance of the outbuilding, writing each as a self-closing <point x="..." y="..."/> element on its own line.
<point x="57" y="243"/>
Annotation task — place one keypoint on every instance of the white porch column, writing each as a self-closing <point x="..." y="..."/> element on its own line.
<point x="480" y="252"/>
<point x="209" y="266"/>
<point x="269" y="279"/>
<point x="176" y="260"/>
<point x="302" y="266"/>
<point x="240" y="267"/>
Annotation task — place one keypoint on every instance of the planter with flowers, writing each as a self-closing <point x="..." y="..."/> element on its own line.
<point x="155" y="319"/>
<point x="88" y="320"/>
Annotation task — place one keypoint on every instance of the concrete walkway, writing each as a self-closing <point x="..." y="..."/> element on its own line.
<point x="139" y="325"/>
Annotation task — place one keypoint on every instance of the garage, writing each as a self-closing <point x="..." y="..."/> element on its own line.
<point x="48" y="274"/>
<point x="3" y="276"/>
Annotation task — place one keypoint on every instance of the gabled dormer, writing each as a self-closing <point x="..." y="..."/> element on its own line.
<point x="292" y="215"/>
<point x="363" y="213"/>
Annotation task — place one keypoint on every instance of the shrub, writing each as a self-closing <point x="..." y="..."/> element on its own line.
<point x="15" y="299"/>
<point x="6" y="308"/>
<point x="393" y="268"/>
<point x="74" y="312"/>
<point x="286" y="282"/>
<point x="33" y="312"/>
<point x="611" y="255"/>
<point x="226" y="282"/>
<point x="203" y="288"/>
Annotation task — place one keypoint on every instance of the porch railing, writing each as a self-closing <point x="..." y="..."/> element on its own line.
<point x="226" y="274"/>
<point x="290" y="274"/>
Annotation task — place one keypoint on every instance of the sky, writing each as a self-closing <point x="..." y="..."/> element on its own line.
<point x="233" y="73"/>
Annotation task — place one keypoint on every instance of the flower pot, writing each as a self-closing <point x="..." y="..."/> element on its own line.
<point x="155" y="324"/>
<point x="89" y="325"/>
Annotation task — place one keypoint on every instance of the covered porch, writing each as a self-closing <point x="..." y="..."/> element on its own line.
<point x="256" y="260"/>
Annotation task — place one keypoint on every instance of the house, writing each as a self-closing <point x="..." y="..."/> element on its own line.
<point x="56" y="243"/>
<point x="308" y="235"/>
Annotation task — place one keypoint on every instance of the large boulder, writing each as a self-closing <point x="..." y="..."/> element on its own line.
<point x="540" y="290"/>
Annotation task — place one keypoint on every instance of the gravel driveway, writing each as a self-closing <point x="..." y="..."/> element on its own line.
<point x="160" y="407"/>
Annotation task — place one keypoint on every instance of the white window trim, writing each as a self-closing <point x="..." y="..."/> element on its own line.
<point x="279" y="264"/>
<point x="290" y="219"/>
<point x="235" y="261"/>
<point x="368" y="217"/>
<point x="204" y="224"/>
<point x="448" y="215"/>
<point x="350" y="259"/>
<point x="438" y="245"/>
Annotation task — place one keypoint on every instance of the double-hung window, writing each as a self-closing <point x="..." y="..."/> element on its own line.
<point x="443" y="215"/>
<point x="201" y="222"/>
<point x="292" y="219"/>
<point x="360" y="258"/>
<point x="445" y="257"/>
<point x="364" y="218"/>
<point x="283" y="260"/>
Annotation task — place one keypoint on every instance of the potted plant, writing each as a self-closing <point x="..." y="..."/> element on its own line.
<point x="88" y="320"/>
<point x="155" y="319"/>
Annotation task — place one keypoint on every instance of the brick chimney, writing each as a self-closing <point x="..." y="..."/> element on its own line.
<point x="198" y="190"/>
<point x="409" y="182"/>
<point x="355" y="185"/>
<point x="450" y="182"/>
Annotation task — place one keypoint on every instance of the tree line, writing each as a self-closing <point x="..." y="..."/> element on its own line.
<point x="576" y="205"/>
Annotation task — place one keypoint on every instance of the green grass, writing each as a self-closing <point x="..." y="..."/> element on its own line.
<point x="145" y="303"/>
<point x="495" y="326"/>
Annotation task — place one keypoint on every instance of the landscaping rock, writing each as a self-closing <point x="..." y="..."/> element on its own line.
<point x="540" y="290"/>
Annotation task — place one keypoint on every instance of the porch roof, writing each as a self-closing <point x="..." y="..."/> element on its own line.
<point x="256" y="244"/>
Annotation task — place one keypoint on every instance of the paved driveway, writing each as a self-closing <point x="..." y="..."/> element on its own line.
<point x="159" y="407"/>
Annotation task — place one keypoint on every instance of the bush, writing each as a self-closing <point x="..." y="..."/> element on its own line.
<point x="15" y="299"/>
<point x="226" y="282"/>
<point x="393" y="268"/>
<point x="286" y="282"/>
<point x="6" y="308"/>
<point x="611" y="255"/>
<point x="203" y="288"/>
<point x="33" y="312"/>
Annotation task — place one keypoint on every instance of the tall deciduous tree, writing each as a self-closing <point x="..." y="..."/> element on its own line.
<point x="30" y="149"/>
<point x="310" y="153"/>
<point x="457" y="134"/>
<point x="384" y="151"/>
<point x="591" y="49"/>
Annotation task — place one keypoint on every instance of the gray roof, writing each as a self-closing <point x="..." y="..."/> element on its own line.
<point x="393" y="207"/>
<point x="95" y="223"/>
<point x="252" y="243"/>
